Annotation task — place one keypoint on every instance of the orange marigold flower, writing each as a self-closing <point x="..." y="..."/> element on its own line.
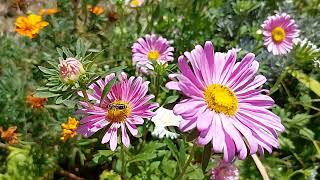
<point x="9" y="135"/>
<point x="96" y="10"/>
<point x="36" y="102"/>
<point x="30" y="25"/>
<point x="69" y="130"/>
<point x="48" y="11"/>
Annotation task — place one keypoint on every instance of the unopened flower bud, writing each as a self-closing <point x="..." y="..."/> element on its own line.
<point x="70" y="70"/>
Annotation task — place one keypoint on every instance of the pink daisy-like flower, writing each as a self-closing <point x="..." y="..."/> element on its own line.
<point x="70" y="70"/>
<point x="225" y="171"/>
<point x="279" y="31"/>
<point x="151" y="49"/>
<point x="224" y="102"/>
<point x="134" y="3"/>
<point x="124" y="107"/>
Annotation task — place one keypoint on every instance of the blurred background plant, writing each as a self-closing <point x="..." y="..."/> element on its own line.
<point x="111" y="27"/>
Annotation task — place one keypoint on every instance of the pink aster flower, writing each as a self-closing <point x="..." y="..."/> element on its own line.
<point x="70" y="70"/>
<point x="151" y="49"/>
<point x="279" y="31"/>
<point x="224" y="102"/>
<point x="124" y="107"/>
<point x="225" y="171"/>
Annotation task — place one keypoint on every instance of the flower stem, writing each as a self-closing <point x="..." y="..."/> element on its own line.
<point x="260" y="167"/>
<point x="86" y="98"/>
<point x="187" y="163"/>
<point x="123" y="167"/>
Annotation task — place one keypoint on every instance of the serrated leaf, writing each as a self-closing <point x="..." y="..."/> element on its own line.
<point x="307" y="133"/>
<point x="173" y="148"/>
<point x="102" y="154"/>
<point x="152" y="146"/>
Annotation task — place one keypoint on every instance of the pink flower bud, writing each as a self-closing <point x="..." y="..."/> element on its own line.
<point x="225" y="171"/>
<point x="70" y="70"/>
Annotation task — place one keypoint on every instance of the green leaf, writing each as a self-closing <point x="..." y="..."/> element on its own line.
<point x="172" y="148"/>
<point x="171" y="99"/>
<point x="45" y="94"/>
<point x="47" y="71"/>
<point x="107" y="88"/>
<point x="152" y="146"/>
<point x="206" y="156"/>
<point x="102" y="155"/>
<point x="307" y="133"/>
<point x="306" y="80"/>
<point x="142" y="157"/>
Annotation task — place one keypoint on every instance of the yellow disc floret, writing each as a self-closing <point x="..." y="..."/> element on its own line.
<point x="221" y="99"/>
<point x="135" y="3"/>
<point x="118" y="111"/>
<point x="153" y="55"/>
<point x="278" y="34"/>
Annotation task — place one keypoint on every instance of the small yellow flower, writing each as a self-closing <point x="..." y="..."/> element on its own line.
<point x="48" y="11"/>
<point x="9" y="135"/>
<point x="69" y="130"/>
<point x="30" y="25"/>
<point x="96" y="10"/>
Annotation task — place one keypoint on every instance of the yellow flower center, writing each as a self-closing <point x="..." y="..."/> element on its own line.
<point x="135" y="3"/>
<point x="221" y="99"/>
<point x="278" y="34"/>
<point x="153" y="55"/>
<point x="118" y="111"/>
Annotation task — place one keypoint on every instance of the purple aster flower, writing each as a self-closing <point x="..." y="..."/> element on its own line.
<point x="279" y="31"/>
<point x="225" y="103"/>
<point x="124" y="107"/>
<point x="151" y="49"/>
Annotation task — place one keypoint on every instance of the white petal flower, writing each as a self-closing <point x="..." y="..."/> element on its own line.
<point x="164" y="118"/>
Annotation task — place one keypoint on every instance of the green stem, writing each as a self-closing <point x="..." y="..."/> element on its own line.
<point x="123" y="167"/>
<point x="86" y="97"/>
<point x="275" y="87"/>
<point x="187" y="163"/>
<point x="4" y="146"/>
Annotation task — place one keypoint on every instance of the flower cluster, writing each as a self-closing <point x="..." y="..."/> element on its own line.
<point x="69" y="130"/>
<point x="9" y="135"/>
<point x="36" y="102"/>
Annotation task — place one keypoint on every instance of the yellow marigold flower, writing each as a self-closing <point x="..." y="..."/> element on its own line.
<point x="30" y="25"/>
<point x="69" y="130"/>
<point x="36" y="102"/>
<point x="48" y="11"/>
<point x="96" y="10"/>
<point x="9" y="135"/>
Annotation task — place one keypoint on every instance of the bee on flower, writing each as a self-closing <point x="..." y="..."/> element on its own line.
<point x="9" y="136"/>
<point x="69" y="129"/>
<point x="36" y="102"/>
<point x="30" y="25"/>
<point x="125" y="107"/>
<point x="279" y="31"/>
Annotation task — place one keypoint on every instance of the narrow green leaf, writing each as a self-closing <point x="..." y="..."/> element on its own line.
<point x="306" y="80"/>
<point x="107" y="88"/>
<point x="47" y="71"/>
<point x="206" y="156"/>
<point x="45" y="94"/>
<point x="142" y="157"/>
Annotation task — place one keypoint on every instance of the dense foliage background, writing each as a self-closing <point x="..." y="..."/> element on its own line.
<point x="40" y="154"/>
